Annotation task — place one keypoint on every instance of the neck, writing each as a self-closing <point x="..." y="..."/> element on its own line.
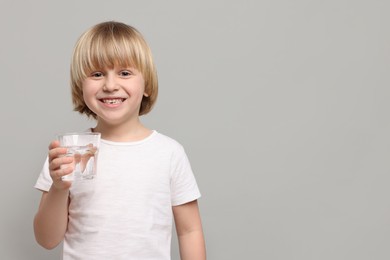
<point x="129" y="132"/>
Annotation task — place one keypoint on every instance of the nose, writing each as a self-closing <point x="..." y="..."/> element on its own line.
<point x="110" y="83"/>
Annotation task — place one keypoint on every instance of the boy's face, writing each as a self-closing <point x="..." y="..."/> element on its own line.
<point x="114" y="95"/>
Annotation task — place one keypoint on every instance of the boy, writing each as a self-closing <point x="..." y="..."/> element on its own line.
<point x="144" y="179"/>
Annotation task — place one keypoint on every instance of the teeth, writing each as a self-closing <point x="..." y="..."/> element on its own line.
<point x="112" y="101"/>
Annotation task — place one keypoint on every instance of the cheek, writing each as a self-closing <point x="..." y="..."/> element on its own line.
<point x="142" y="88"/>
<point x="87" y="90"/>
<point x="136" y="90"/>
<point x="88" y="96"/>
<point x="85" y="95"/>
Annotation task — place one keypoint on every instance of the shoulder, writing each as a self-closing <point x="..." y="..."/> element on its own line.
<point x="168" y="142"/>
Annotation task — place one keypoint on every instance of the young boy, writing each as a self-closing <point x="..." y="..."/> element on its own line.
<point x="144" y="179"/>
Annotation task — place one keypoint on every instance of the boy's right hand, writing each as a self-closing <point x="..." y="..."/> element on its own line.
<point x="56" y="160"/>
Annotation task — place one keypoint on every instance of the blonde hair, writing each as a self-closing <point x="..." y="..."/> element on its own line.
<point x="106" y="45"/>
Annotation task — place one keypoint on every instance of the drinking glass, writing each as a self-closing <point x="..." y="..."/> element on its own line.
<point x="83" y="147"/>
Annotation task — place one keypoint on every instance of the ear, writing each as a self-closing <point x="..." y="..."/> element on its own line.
<point x="146" y="94"/>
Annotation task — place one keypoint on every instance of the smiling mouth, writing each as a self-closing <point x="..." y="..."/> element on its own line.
<point x="112" y="101"/>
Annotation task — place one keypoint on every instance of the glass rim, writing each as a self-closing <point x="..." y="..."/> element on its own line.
<point x="79" y="133"/>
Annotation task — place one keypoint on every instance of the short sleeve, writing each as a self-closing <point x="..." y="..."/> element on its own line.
<point x="44" y="181"/>
<point x="183" y="184"/>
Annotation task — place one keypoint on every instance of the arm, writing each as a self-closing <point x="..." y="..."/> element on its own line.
<point x="189" y="231"/>
<point x="51" y="220"/>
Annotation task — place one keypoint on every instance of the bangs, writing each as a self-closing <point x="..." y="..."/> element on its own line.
<point x="108" y="48"/>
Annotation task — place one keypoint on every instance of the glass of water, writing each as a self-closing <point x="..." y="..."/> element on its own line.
<point x="83" y="147"/>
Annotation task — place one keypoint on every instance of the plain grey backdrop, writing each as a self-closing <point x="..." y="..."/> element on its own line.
<point x="282" y="106"/>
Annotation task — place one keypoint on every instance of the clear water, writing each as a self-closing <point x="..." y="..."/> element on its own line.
<point x="84" y="162"/>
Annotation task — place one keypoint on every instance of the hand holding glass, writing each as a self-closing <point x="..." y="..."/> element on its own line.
<point x="84" y="148"/>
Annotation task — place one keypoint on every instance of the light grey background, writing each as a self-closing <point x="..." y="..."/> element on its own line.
<point x="282" y="106"/>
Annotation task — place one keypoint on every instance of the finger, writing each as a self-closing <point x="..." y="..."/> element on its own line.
<point x="54" y="144"/>
<point x="77" y="157"/>
<point x="58" y="174"/>
<point x="56" y="152"/>
<point x="56" y="163"/>
<point x="84" y="161"/>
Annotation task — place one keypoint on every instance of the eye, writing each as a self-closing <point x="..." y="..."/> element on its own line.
<point x="96" y="74"/>
<point x="125" y="73"/>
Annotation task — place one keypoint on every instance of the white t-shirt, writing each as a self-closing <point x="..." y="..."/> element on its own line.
<point x="126" y="211"/>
